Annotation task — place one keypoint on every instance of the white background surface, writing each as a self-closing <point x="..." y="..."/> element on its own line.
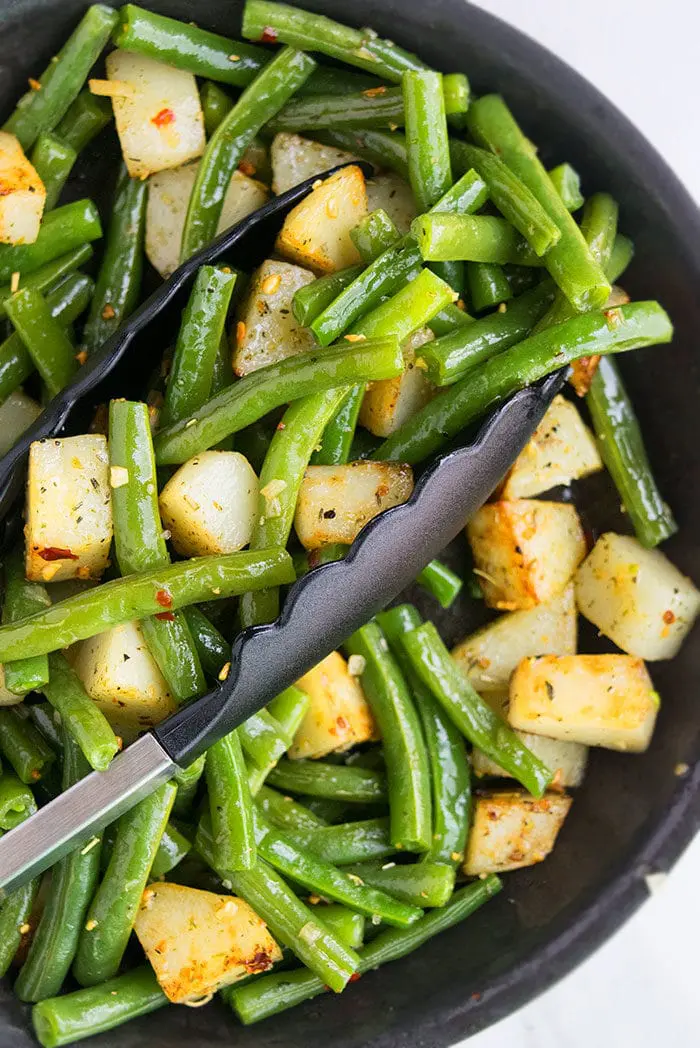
<point x="641" y="989"/>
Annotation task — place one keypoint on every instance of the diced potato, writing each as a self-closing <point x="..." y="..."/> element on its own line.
<point x="338" y="716"/>
<point x="22" y="194"/>
<point x="197" y="941"/>
<point x="157" y="112"/>
<point x="294" y="159"/>
<point x="69" y="509"/>
<point x="17" y="413"/>
<point x="525" y="551"/>
<point x="392" y="401"/>
<point x="392" y="193"/>
<point x="168" y="196"/>
<point x="562" y="449"/>
<point x="209" y="504"/>
<point x="489" y="656"/>
<point x="7" y="698"/>
<point x="566" y="760"/>
<point x="513" y="829"/>
<point x="335" y="502"/>
<point x="637" y="597"/>
<point x="599" y="700"/>
<point x="120" y="674"/>
<point x="316" y="233"/>
<point x="266" y="331"/>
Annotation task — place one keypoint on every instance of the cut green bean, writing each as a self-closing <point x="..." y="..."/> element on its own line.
<point x="263" y="739"/>
<point x="456" y="91"/>
<point x="15" y="912"/>
<point x="373" y="235"/>
<point x="53" y="160"/>
<point x="40" y="110"/>
<point x="84" y="1013"/>
<point x="567" y="183"/>
<point x="407" y="770"/>
<point x="24" y="746"/>
<point x="16" y="801"/>
<point x="289" y="709"/>
<point x="449" y="319"/>
<point x="624" y="328"/>
<point x="73" y="881"/>
<point x="141" y="595"/>
<point x="441" y="582"/>
<point x="212" y="648"/>
<point x="140" y="545"/>
<point x="328" y="80"/>
<point x="216" y="104"/>
<point x="329" y="810"/>
<point x="173" y="848"/>
<point x="285" y="813"/>
<point x="230" y="806"/>
<point x="119" y="279"/>
<point x="487" y="285"/>
<point x="114" y="906"/>
<point x="429" y="167"/>
<point x="345" y="923"/>
<point x="48" y="721"/>
<point x="622" y="255"/>
<point x="63" y="230"/>
<point x="336" y="441"/>
<point x="281" y="990"/>
<point x="320" y="779"/>
<point x="45" y="339"/>
<point x="187" y="780"/>
<point x="313" y="32"/>
<point x="381" y="148"/>
<point x="348" y="842"/>
<point x="82" y="719"/>
<point x="273" y="86"/>
<point x="521" y="278"/>
<point x="46" y="277"/>
<point x="383" y="109"/>
<point x="84" y="119"/>
<point x="474" y="238"/>
<point x="23" y="598"/>
<point x="425" y="884"/>
<point x="569" y="261"/>
<point x="312" y="299"/>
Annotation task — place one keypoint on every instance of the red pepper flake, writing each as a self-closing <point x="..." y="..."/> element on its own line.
<point x="355" y="977"/>
<point x="164" y="599"/>
<point x="281" y="425"/>
<point x="476" y="996"/>
<point x="372" y="92"/>
<point x="165" y="616"/>
<point x="56" y="553"/>
<point x="259" y="962"/>
<point x="163" y="118"/>
<point x="34" y="84"/>
<point x="342" y="723"/>
<point x="269" y="35"/>
<point x="669" y="618"/>
<point x="246" y="168"/>
<point x="108" y="312"/>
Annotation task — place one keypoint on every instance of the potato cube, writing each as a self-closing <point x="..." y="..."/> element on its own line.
<point x="209" y="504"/>
<point x="17" y="412"/>
<point x="69" y="509"/>
<point x="335" y="502"/>
<point x="599" y="700"/>
<point x="168" y="198"/>
<point x="197" y="941"/>
<point x="489" y="656"/>
<point x="637" y="597"/>
<point x="392" y="193"/>
<point x="561" y="449"/>
<point x="525" y="551"/>
<point x="389" y="403"/>
<point x="294" y="159"/>
<point x="338" y="716"/>
<point x="157" y="112"/>
<point x="267" y="331"/>
<point x="22" y="194"/>
<point x="316" y="233"/>
<point x="120" y="674"/>
<point x="513" y="829"/>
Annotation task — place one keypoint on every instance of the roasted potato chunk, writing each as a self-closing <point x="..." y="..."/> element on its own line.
<point x="316" y="233"/>
<point x="22" y="194"/>
<point x="267" y="331"/>
<point x="392" y="193"/>
<point x="513" y="829"/>
<point x="392" y="401"/>
<point x="338" y="716"/>
<point x="294" y="159"/>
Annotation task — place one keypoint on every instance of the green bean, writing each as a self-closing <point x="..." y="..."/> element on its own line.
<point x="469" y="712"/>
<point x="381" y="148"/>
<point x="22" y="598"/>
<point x="254" y="395"/>
<point x="138" y="596"/>
<point x="283" y="812"/>
<point x="329" y="810"/>
<point x="622" y="254"/>
<point x="263" y="740"/>
<point x="24" y="746"/>
<point x="212" y="649"/>
<point x="15" y="912"/>
<point x="425" y="884"/>
<point x="373" y="235"/>
<point x="53" y="160"/>
<point x="187" y="780"/>
<point x="201" y="331"/>
<point x="406" y="311"/>
<point x="281" y="990"/>
<point x="474" y="238"/>
<point x="383" y="109"/>
<point x="256" y="106"/>
<point x="429" y="167"/>
<point x="312" y="298"/>
<point x="450" y="357"/>
<point x="408" y="773"/>
<point x="624" y="328"/>
<point x="64" y="229"/>
<point x="622" y="448"/>
<point x="569" y="261"/>
<point x="312" y="32"/>
<point x="306" y="561"/>
<point x="456" y="90"/>
<point x="348" y="842"/>
<point x="230" y="806"/>
<point x="140" y="545"/>
<point x="321" y="779"/>
<point x="327" y="80"/>
<point x="347" y="925"/>
<point x="119" y="279"/>
<point x="280" y="480"/>
<point x="441" y="582"/>
<point x="45" y="339"/>
<point x="487" y="285"/>
<point x="114" y="906"/>
<point x="337" y="438"/>
<point x="83" y="720"/>
<point x="567" y="183"/>
<point x="173" y="848"/>
<point x="84" y="119"/>
<point x="449" y="319"/>
<point x="48" y="721"/>
<point x="41" y="109"/>
<point x="83" y="1013"/>
<point x="305" y="868"/>
<point x="289" y="709"/>
<point x="521" y="278"/>
<point x="16" y="801"/>
<point x="73" y="881"/>
<point x="288" y="919"/>
<point x="216" y="104"/>
<point x="186" y="46"/>
<point x="45" y="278"/>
